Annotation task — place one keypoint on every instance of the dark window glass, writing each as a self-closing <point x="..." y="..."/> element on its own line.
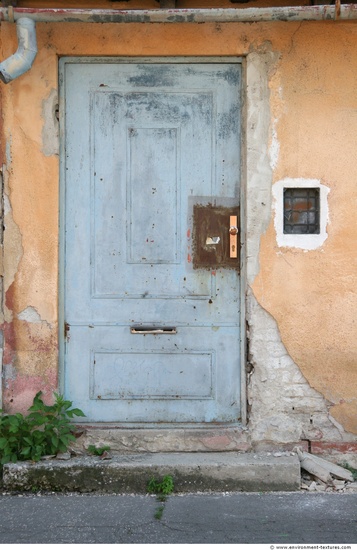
<point x="301" y="210"/>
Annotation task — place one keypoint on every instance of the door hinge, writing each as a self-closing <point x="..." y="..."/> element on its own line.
<point x="66" y="331"/>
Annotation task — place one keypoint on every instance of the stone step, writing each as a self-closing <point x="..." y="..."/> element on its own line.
<point x="191" y="472"/>
<point x="165" y="438"/>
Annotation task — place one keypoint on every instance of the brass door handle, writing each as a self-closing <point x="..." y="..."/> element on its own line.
<point x="233" y="239"/>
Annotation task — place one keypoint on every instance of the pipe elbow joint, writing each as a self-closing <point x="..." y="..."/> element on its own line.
<point x="22" y="60"/>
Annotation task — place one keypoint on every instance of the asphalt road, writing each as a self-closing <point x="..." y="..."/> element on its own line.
<point x="236" y="518"/>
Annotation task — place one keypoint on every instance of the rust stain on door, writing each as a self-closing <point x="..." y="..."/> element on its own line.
<point x="211" y="237"/>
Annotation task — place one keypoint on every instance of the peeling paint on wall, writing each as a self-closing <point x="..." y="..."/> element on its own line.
<point x="13" y="252"/>
<point x="50" y="130"/>
<point x="259" y="172"/>
<point x="274" y="146"/>
<point x="30" y="315"/>
<point x="283" y="406"/>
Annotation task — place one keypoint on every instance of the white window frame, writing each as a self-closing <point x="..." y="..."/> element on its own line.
<point x="297" y="240"/>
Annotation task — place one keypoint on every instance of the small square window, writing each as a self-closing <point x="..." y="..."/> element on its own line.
<point x="301" y="210"/>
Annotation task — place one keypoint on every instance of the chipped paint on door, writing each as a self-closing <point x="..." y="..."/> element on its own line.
<point x="153" y="336"/>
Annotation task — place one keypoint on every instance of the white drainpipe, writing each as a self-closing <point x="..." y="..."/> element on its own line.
<point x="21" y="61"/>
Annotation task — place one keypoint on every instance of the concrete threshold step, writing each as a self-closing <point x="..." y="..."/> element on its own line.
<point x="191" y="472"/>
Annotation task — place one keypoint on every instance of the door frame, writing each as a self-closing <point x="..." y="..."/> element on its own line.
<point x="62" y="196"/>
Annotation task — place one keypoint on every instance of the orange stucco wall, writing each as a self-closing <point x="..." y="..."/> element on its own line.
<point x="312" y="295"/>
<point x="313" y="110"/>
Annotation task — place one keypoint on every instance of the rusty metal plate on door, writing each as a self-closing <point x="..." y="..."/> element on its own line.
<point x="215" y="239"/>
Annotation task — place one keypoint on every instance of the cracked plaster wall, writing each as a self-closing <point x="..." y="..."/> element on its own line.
<point x="305" y="321"/>
<point x="288" y="65"/>
<point x="29" y="316"/>
<point x="282" y="407"/>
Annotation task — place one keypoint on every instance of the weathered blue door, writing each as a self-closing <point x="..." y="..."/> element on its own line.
<point x="151" y="336"/>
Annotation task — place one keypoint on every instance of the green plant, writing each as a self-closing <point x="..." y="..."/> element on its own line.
<point x="162" y="489"/>
<point x="158" y="512"/>
<point x="46" y="430"/>
<point x="97" y="451"/>
<point x="351" y="469"/>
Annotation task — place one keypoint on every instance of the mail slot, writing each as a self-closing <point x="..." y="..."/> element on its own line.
<point x="153" y="330"/>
